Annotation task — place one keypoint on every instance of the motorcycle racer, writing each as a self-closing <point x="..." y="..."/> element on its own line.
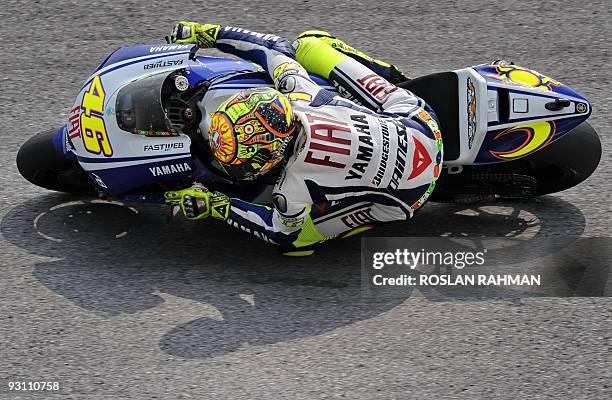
<point x="370" y="156"/>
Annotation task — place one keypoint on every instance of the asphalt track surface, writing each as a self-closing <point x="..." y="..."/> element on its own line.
<point x="114" y="303"/>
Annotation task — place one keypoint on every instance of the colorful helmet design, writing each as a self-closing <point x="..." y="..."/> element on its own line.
<point x="251" y="132"/>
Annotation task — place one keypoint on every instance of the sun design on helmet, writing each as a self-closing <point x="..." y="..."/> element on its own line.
<point x="250" y="133"/>
<point x="222" y="140"/>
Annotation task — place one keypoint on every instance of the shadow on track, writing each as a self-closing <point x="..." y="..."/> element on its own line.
<point x="117" y="260"/>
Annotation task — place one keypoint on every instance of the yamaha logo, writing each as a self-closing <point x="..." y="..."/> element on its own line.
<point x="170" y="169"/>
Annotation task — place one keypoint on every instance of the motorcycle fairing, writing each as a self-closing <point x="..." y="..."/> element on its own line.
<point x="521" y="113"/>
<point x="126" y="163"/>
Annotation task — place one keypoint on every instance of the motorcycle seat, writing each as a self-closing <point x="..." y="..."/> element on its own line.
<point x="441" y="92"/>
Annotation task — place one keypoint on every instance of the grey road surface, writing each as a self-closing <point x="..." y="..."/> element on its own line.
<point x="117" y="303"/>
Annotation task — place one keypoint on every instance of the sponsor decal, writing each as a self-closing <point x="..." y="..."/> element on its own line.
<point x="384" y="157"/>
<point x="471" y="111"/>
<point x="537" y="136"/>
<point x="329" y="140"/>
<point x="67" y="145"/>
<point x="402" y="150"/>
<point x="358" y="218"/>
<point x="170" y="169"/>
<point x="171" y="132"/>
<point x="377" y="86"/>
<point x="420" y="159"/>
<point x="365" y="149"/>
<point x="156" y="49"/>
<point x="163" y="146"/>
<point x="98" y="180"/>
<point x="163" y="63"/>
<point x="220" y="206"/>
<point x="220" y="211"/>
<point x="581" y="108"/>
<point x="74" y="126"/>
<point x="291" y="222"/>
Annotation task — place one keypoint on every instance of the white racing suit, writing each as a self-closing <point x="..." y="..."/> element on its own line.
<point x="353" y="165"/>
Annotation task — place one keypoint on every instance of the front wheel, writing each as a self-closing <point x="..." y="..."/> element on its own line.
<point x="40" y="163"/>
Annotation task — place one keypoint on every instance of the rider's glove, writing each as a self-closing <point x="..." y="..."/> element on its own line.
<point x="204" y="36"/>
<point x="197" y="202"/>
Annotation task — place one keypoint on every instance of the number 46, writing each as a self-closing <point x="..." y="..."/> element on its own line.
<point x="95" y="138"/>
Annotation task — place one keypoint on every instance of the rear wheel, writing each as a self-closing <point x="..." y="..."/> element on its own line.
<point x="566" y="162"/>
<point x="40" y="163"/>
<point x="563" y="164"/>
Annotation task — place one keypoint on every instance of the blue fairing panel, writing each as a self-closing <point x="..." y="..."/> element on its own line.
<point x="119" y="180"/>
<point x="206" y="68"/>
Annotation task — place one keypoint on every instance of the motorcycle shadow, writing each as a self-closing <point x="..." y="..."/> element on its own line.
<point x="117" y="259"/>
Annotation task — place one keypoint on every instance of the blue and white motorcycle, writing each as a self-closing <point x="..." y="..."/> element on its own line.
<point x="139" y="127"/>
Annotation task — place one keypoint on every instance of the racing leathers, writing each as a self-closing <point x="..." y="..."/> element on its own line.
<point x="369" y="156"/>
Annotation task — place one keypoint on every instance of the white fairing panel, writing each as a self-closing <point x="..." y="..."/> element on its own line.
<point x="475" y="109"/>
<point x="127" y="148"/>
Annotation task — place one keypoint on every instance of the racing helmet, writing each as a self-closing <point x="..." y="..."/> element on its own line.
<point x="252" y="132"/>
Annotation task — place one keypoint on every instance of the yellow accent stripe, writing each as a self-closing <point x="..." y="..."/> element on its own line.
<point x="357" y="231"/>
<point x="299" y="96"/>
<point x="309" y="234"/>
<point x="302" y="253"/>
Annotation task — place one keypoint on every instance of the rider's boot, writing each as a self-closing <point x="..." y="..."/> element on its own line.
<point x="388" y="71"/>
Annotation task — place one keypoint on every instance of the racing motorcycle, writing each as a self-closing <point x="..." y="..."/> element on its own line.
<point x="139" y="127"/>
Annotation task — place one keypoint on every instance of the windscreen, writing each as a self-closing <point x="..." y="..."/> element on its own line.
<point x="139" y="107"/>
